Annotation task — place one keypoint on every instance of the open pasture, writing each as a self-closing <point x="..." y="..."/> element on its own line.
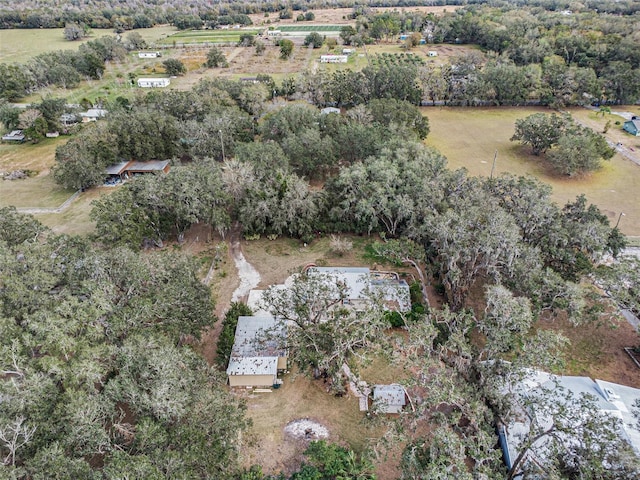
<point x="19" y="45"/>
<point x="469" y="138"/>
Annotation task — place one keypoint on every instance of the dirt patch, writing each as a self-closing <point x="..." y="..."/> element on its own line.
<point x="597" y="349"/>
<point x="306" y="429"/>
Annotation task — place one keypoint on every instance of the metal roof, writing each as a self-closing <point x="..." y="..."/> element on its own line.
<point x="258" y="337"/>
<point x="116" y="169"/>
<point x="389" y="394"/>
<point x="150" y="166"/>
<point x="253" y="366"/>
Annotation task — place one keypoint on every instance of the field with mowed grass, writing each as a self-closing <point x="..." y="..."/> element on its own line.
<point x="469" y="138"/>
<point x="19" y="45"/>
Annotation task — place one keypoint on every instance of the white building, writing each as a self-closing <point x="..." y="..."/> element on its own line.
<point x="334" y="58"/>
<point x="274" y="33"/>
<point x="153" y="82"/>
<point x="149" y="54"/>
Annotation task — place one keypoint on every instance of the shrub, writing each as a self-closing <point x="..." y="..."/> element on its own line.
<point x="339" y="245"/>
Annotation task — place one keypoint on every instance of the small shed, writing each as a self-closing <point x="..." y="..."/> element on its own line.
<point x="14" y="136"/>
<point x="389" y="398"/>
<point x="153" y="82"/>
<point x="632" y="127"/>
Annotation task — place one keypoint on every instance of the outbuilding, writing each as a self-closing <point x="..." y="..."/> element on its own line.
<point x="334" y="58"/>
<point x="632" y="127"/>
<point x="153" y="82"/>
<point x="149" y="54"/>
<point x="14" y="136"/>
<point x="389" y="398"/>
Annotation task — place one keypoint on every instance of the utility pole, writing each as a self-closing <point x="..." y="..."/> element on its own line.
<point x="222" y="144"/>
<point x="493" y="167"/>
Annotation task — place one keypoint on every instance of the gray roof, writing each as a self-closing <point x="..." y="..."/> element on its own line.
<point x="257" y="346"/>
<point x="151" y="166"/>
<point x="116" y="169"/>
<point x="94" y="113"/>
<point x="258" y="337"/>
<point x="636" y="123"/>
<point x="14" y="135"/>
<point x="623" y="398"/>
<point x="389" y="394"/>
<point x="361" y="282"/>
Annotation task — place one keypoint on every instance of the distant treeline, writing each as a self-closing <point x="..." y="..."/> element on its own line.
<point x="132" y="14"/>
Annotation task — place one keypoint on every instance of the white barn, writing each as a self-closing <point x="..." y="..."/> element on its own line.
<point x="149" y="54"/>
<point x="153" y="82"/>
<point x="334" y="58"/>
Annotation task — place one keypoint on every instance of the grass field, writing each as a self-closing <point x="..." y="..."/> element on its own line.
<point x="469" y="137"/>
<point x="36" y="192"/>
<point x="19" y="45"/>
<point x="75" y="219"/>
<point x="206" y="36"/>
<point x="310" y="28"/>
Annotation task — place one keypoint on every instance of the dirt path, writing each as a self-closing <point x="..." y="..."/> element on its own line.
<point x="249" y="276"/>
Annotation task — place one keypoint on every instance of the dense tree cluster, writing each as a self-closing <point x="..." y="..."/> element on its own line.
<point x="96" y="373"/>
<point x="569" y="148"/>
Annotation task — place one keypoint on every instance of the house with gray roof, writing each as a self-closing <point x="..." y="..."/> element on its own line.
<point x="389" y="398"/>
<point x="632" y="127"/>
<point x="258" y="353"/>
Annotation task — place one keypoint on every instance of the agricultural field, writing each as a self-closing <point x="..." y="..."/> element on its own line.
<point x="310" y="28"/>
<point x="469" y="138"/>
<point x="18" y="46"/>
<point x="190" y="37"/>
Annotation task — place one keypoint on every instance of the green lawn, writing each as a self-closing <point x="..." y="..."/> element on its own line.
<point x="469" y="138"/>
<point x="19" y="45"/>
<point x="36" y="192"/>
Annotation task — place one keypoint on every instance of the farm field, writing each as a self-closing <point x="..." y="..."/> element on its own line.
<point x="205" y="36"/>
<point x="469" y="137"/>
<point x="19" y="45"/>
<point x="304" y="27"/>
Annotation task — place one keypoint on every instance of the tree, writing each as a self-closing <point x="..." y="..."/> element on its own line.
<point x="579" y="153"/>
<point x="309" y="16"/>
<point x="16" y="228"/>
<point x="260" y="48"/>
<point x="227" y="335"/>
<point x="286" y="48"/>
<point x="314" y="39"/>
<point x="326" y="461"/>
<point x="322" y="334"/>
<point x="73" y="31"/>
<point x="576" y="438"/>
<point x="347" y="33"/>
<point x="173" y="66"/>
<point x="247" y="40"/>
<point x="134" y="41"/>
<point x="215" y="58"/>
<point x="541" y="131"/>
<point x="401" y="113"/>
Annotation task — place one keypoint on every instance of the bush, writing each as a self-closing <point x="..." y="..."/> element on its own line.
<point x="228" y="334"/>
<point x="339" y="245"/>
